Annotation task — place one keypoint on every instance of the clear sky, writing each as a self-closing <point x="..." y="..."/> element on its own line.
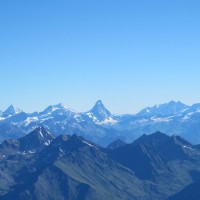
<point x="128" y="53"/>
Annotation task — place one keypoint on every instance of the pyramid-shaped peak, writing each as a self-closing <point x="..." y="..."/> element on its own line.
<point x="100" y="111"/>
<point x="12" y="107"/>
<point x="42" y="132"/>
<point x="11" y="110"/>
<point x="99" y="103"/>
<point x="36" y="139"/>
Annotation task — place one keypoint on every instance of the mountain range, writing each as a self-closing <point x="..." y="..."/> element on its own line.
<point x="40" y="165"/>
<point x="101" y="126"/>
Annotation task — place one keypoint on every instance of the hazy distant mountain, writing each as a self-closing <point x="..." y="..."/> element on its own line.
<point x="10" y="111"/>
<point x="9" y="131"/>
<point x="170" y="108"/>
<point x="172" y="118"/>
<point x="116" y="144"/>
<point x="73" y="168"/>
<point x="102" y="127"/>
<point x="99" y="112"/>
<point x="55" y="110"/>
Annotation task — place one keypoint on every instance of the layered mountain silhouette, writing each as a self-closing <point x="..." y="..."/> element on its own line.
<point x="42" y="166"/>
<point x="70" y="167"/>
<point x="30" y="143"/>
<point x="153" y="152"/>
<point x="101" y="126"/>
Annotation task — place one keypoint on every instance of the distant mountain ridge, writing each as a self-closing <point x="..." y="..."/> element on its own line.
<point x="170" y="108"/>
<point x="101" y="126"/>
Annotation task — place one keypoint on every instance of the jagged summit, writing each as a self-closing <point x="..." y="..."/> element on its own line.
<point x="100" y="111"/>
<point x="42" y="133"/>
<point x="11" y="110"/>
<point x="99" y="103"/>
<point x="64" y="144"/>
<point x="38" y="137"/>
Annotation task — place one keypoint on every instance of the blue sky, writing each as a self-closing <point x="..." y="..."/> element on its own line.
<point x="128" y="53"/>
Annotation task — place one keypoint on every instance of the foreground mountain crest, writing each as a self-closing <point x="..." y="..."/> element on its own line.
<point x="71" y="167"/>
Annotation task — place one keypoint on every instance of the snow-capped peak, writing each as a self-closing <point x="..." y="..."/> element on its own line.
<point x="99" y="111"/>
<point x="99" y="103"/>
<point x="11" y="110"/>
<point x="37" y="138"/>
<point x="169" y="108"/>
<point x="50" y="109"/>
<point x="40" y="134"/>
